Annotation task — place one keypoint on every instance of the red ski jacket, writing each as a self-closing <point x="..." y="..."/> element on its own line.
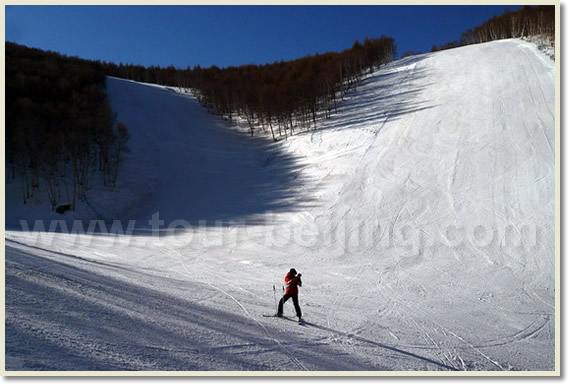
<point x="292" y="284"/>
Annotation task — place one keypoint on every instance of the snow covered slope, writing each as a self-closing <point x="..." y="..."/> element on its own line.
<point x="421" y="216"/>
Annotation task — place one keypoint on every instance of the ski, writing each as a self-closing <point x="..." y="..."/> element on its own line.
<point x="299" y="322"/>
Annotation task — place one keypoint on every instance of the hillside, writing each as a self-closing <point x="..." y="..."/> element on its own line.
<point x="421" y="216"/>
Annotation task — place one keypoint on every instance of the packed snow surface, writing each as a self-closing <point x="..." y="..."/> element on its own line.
<point x="421" y="216"/>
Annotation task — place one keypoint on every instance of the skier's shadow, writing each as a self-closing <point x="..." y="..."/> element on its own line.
<point x="362" y="339"/>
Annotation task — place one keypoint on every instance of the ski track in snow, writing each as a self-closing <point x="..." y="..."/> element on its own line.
<point x="426" y="146"/>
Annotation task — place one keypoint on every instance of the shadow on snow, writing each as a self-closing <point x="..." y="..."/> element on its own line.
<point x="63" y="317"/>
<point x="388" y="94"/>
<point x="203" y="174"/>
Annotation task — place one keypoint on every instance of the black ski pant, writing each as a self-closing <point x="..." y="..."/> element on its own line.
<point x="296" y="304"/>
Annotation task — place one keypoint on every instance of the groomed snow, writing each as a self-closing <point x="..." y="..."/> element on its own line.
<point x="421" y="216"/>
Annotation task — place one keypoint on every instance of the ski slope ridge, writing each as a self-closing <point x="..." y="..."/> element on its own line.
<point x="421" y="216"/>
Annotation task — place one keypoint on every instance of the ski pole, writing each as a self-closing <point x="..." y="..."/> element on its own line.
<point x="274" y="290"/>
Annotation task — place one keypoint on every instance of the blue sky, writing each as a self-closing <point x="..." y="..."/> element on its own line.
<point x="231" y="35"/>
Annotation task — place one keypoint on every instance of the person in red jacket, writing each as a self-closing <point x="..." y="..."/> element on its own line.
<point x="292" y="281"/>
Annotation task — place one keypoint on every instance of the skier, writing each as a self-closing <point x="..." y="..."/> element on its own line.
<point x="292" y="283"/>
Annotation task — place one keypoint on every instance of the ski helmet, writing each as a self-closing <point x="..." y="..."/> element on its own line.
<point x="293" y="271"/>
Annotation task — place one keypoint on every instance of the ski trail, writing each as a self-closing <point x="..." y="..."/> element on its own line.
<point x="381" y="345"/>
<point x="294" y="360"/>
<point x="492" y="361"/>
<point x="427" y="148"/>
